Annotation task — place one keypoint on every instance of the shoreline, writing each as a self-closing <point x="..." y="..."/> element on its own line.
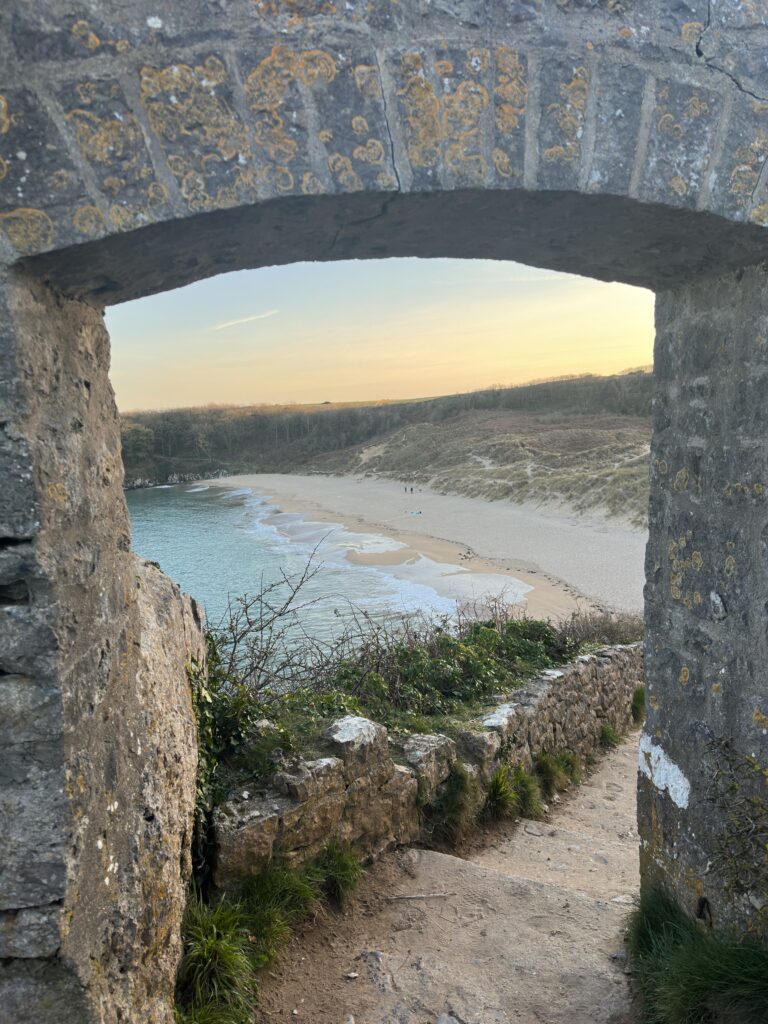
<point x="473" y="535"/>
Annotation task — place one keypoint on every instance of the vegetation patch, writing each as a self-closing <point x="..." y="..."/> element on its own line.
<point x="454" y="813"/>
<point x="686" y="973"/>
<point x="556" y="772"/>
<point x="501" y="799"/>
<point x="227" y="941"/>
<point x="609" y="738"/>
<point x="638" y="705"/>
<point x="528" y="793"/>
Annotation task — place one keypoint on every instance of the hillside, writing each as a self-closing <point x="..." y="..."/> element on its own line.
<point x="582" y="441"/>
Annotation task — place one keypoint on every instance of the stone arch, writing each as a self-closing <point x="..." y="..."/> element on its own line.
<point x="145" y="145"/>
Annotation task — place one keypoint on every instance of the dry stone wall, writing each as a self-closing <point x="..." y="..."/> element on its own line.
<point x="369" y="790"/>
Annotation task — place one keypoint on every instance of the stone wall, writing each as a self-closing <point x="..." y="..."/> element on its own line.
<point x="368" y="789"/>
<point x="98" y="738"/>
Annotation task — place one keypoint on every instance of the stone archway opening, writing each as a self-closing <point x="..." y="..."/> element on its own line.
<point x="143" y="150"/>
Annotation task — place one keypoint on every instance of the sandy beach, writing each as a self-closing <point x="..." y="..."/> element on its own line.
<point x="566" y="559"/>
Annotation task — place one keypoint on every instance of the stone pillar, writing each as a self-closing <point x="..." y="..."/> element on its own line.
<point x="97" y="773"/>
<point x="703" y="782"/>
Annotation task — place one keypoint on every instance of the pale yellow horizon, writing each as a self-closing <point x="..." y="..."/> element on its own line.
<point x="370" y="331"/>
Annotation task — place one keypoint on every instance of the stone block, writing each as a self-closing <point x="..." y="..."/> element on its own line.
<point x="431" y="757"/>
<point x="361" y="745"/>
<point x="245" y="829"/>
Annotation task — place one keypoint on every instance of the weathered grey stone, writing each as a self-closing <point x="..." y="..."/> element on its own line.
<point x="431" y="757"/>
<point x="245" y="830"/>
<point x="361" y="745"/>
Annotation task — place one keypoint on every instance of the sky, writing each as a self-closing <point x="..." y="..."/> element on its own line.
<point x="368" y="330"/>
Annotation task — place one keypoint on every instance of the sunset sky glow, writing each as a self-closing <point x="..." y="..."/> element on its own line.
<point x="346" y="331"/>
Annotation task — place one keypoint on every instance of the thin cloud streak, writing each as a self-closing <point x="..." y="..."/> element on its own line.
<point x="245" y="320"/>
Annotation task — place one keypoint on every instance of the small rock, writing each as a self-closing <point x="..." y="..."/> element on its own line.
<point x="352" y="974"/>
<point x="446" y="1018"/>
<point x="533" y="831"/>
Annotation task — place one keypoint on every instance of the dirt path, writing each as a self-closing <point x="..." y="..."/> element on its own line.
<point x="527" y="933"/>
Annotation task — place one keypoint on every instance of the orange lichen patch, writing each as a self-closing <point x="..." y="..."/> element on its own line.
<point x="266" y="89"/>
<point x="690" y="31"/>
<point x="759" y="215"/>
<point x="315" y="66"/>
<point x="444" y="68"/>
<point x="697" y="598"/>
<point x="730" y="565"/>
<point x="278" y="177"/>
<point x="678" y="185"/>
<point x="569" y="118"/>
<point x="157" y="194"/>
<point x="696" y="107"/>
<point x="371" y="153"/>
<point x="5" y="118"/>
<point x="502" y="163"/>
<point x="625" y="32"/>
<point x="385" y="180"/>
<point x="311" y="184"/>
<point x="681" y="481"/>
<point x="685" y="675"/>
<point x="89" y="221"/>
<point x="83" y="33"/>
<point x="182" y="104"/>
<point x="511" y="90"/>
<point x="325" y="135"/>
<point x="359" y="125"/>
<point x="28" y="230"/>
<point x="461" y="110"/>
<point x="367" y="80"/>
<point x="124" y="218"/>
<point x="422" y="111"/>
<point x="749" y="161"/>
<point x="478" y="59"/>
<point x="716" y="688"/>
<point x="696" y="560"/>
<point x="107" y="140"/>
<point x="341" y="168"/>
<point x="760" y="719"/>
<point x="3" y="168"/>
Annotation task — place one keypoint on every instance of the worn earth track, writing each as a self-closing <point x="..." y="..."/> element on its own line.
<point x="530" y="931"/>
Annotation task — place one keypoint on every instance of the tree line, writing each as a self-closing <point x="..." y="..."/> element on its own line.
<point x="157" y="445"/>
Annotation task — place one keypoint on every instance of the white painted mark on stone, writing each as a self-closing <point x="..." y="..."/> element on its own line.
<point x="654" y="763"/>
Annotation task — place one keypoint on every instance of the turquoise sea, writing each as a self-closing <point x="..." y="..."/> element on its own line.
<point x="219" y="544"/>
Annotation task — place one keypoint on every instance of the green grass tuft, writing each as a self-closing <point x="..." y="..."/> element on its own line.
<point x="341" y="871"/>
<point x="685" y="973"/>
<point x="528" y="793"/>
<point x="570" y="765"/>
<point x="550" y="773"/>
<point x="294" y="893"/>
<point x="638" y="705"/>
<point x="609" y="738"/>
<point x="216" y="972"/>
<point x="457" y="807"/>
<point x="501" y="800"/>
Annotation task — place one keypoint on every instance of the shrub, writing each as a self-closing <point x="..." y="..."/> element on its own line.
<point x="341" y="871"/>
<point x="456" y="809"/>
<point x="609" y="738"/>
<point x="501" y="800"/>
<point x="527" y="792"/>
<point x="685" y="973"/>
<point x="638" y="705"/>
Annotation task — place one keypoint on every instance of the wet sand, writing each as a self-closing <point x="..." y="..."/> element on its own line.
<point x="567" y="559"/>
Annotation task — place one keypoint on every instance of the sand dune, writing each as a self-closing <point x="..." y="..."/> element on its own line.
<point x="562" y="554"/>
